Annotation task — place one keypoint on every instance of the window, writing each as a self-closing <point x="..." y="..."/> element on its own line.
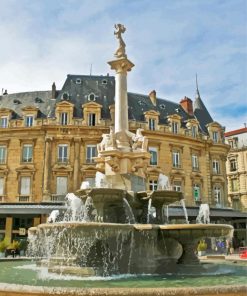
<point x="217" y="195"/>
<point x="1" y="186"/>
<point x="27" y="153"/>
<point x="62" y="153"/>
<point x="91" y="97"/>
<point x="62" y="185"/>
<point x="234" y="184"/>
<point x="216" y="167"/>
<point x="154" y="155"/>
<point x="151" y="122"/>
<point x="78" y="81"/>
<point x="174" y="127"/>
<point x="64" y="118"/>
<point x="91" y="119"/>
<point x="216" y="137"/>
<point x="29" y="120"/>
<point x="233" y="165"/>
<point x="194" y="131"/>
<point x="25" y="186"/>
<point x="196" y="192"/>
<point x="177" y="186"/>
<point x="91" y="152"/>
<point x="3" y="151"/>
<point x="153" y="185"/>
<point x="176" y="159"/>
<point x="4" y="122"/>
<point x="104" y="81"/>
<point x="195" y="163"/>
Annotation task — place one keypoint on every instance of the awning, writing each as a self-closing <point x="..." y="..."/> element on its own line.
<point x="175" y="211"/>
<point x="26" y="208"/>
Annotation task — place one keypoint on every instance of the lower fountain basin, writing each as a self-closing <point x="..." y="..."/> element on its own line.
<point x="111" y="248"/>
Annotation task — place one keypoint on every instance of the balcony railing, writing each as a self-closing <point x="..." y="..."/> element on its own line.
<point x="23" y="198"/>
<point x="58" y="197"/>
<point x="62" y="161"/>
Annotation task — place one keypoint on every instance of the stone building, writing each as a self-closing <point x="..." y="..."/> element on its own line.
<point x="48" y="141"/>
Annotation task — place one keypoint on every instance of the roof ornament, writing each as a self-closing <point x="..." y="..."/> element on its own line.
<point x="197" y="89"/>
<point x="120" y="52"/>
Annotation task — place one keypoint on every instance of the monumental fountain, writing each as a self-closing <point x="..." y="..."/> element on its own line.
<point x="117" y="227"/>
<point x="109" y="229"/>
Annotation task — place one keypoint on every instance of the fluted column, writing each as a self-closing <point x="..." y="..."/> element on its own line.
<point x="47" y="169"/>
<point x="76" y="184"/>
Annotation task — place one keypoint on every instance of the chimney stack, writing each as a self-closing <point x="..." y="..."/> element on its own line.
<point x="152" y="97"/>
<point x="187" y="105"/>
<point x="53" y="91"/>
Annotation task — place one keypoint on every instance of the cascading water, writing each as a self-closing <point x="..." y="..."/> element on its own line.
<point x="185" y="211"/>
<point x="203" y="215"/>
<point x="128" y="211"/>
<point x="149" y="210"/>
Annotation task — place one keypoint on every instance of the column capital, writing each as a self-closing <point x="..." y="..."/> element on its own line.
<point x="121" y="65"/>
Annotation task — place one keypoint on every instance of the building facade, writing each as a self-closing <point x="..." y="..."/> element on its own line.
<point x="236" y="168"/>
<point x="48" y="141"/>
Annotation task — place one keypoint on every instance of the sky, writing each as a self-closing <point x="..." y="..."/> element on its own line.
<point x="169" y="41"/>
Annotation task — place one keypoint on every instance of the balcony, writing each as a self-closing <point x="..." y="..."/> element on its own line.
<point x="24" y="198"/>
<point x="58" y="198"/>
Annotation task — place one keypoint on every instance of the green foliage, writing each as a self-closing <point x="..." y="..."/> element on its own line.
<point x="202" y="246"/>
<point x="3" y="246"/>
<point x="14" y="245"/>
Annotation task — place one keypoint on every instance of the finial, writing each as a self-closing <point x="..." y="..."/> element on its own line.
<point x="120" y="52"/>
<point x="197" y="89"/>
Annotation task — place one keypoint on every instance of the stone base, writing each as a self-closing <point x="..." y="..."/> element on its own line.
<point x="19" y="290"/>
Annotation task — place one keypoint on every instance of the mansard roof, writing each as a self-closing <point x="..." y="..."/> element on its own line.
<point x="81" y="89"/>
<point x="18" y="101"/>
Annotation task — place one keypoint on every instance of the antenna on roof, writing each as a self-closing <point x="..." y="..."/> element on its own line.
<point x="91" y="67"/>
<point x="196" y="83"/>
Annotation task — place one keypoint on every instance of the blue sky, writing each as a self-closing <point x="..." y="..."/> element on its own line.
<point x="169" y="41"/>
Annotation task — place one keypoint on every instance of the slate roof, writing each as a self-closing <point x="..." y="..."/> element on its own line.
<point x="201" y="113"/>
<point x="77" y="89"/>
<point x="40" y="99"/>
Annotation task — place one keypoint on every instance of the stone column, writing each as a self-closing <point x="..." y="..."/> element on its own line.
<point x="47" y="169"/>
<point x="8" y="229"/>
<point x="76" y="163"/>
<point x="121" y="66"/>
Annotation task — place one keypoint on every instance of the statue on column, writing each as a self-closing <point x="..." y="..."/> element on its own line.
<point x="120" y="52"/>
<point x="140" y="142"/>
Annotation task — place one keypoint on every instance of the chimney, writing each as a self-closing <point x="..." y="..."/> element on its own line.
<point x="187" y="105"/>
<point x="53" y="91"/>
<point x="5" y="92"/>
<point x="152" y="97"/>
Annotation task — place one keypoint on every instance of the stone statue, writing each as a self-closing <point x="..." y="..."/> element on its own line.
<point x="108" y="141"/>
<point x="140" y="142"/>
<point x="120" y="52"/>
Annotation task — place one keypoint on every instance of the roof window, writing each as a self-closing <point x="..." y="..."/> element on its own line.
<point x="38" y="100"/>
<point x="104" y="81"/>
<point x="16" y="102"/>
<point x="162" y="106"/>
<point x="65" y="96"/>
<point x="91" y="97"/>
<point x="78" y="81"/>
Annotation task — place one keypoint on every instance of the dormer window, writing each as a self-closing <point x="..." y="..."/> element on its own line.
<point x="4" y="122"/>
<point x="91" y="119"/>
<point x="215" y="137"/>
<point x="16" y="102"/>
<point x="78" y="81"/>
<point x="65" y="96"/>
<point x="151" y="124"/>
<point x="28" y="120"/>
<point x="91" y="97"/>
<point x="174" y="127"/>
<point x="194" y="131"/>
<point x="64" y="118"/>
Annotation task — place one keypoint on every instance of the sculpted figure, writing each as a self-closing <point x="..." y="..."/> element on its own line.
<point x="140" y="141"/>
<point x="108" y="141"/>
<point x="120" y="52"/>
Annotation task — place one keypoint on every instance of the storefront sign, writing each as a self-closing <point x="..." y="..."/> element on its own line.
<point x="22" y="231"/>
